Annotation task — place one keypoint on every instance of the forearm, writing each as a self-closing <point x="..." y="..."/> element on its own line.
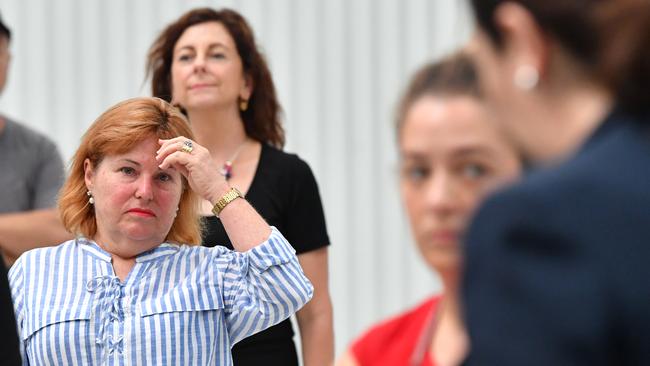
<point x="317" y="337"/>
<point x="20" y="232"/>
<point x="266" y="284"/>
<point x="244" y="226"/>
<point x="315" y="319"/>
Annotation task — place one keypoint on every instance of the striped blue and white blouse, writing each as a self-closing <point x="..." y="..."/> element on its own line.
<point x="179" y="305"/>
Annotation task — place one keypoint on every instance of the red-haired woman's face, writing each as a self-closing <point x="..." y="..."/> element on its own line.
<point x="135" y="202"/>
<point x="207" y="71"/>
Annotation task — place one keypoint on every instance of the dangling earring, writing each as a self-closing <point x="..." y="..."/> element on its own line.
<point x="526" y="77"/>
<point x="91" y="199"/>
<point x="176" y="212"/>
<point x="243" y="105"/>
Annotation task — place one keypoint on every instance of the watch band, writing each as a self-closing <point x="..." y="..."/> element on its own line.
<point x="230" y="196"/>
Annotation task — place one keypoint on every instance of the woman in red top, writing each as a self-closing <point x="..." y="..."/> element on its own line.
<point x="451" y="154"/>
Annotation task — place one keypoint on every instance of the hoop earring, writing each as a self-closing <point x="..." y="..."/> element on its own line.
<point x="526" y="77"/>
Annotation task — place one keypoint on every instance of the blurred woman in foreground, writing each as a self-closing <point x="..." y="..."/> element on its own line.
<point x="557" y="266"/>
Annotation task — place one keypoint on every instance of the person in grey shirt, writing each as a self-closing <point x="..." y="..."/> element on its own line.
<point x="32" y="173"/>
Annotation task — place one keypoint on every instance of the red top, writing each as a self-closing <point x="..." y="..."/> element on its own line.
<point x="394" y="341"/>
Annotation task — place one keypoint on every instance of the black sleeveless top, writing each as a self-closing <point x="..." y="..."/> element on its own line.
<point x="284" y="191"/>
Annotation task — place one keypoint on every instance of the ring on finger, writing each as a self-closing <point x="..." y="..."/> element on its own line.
<point x="187" y="147"/>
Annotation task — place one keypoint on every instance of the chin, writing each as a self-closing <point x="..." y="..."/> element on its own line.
<point x="443" y="261"/>
<point x="205" y="102"/>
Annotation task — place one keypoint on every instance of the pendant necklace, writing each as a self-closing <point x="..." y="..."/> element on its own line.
<point x="226" y="168"/>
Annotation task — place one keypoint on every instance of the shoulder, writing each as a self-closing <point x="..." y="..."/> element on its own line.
<point x="31" y="147"/>
<point x="410" y="319"/>
<point x="533" y="213"/>
<point x="396" y="335"/>
<point x="283" y="161"/>
<point x="609" y="173"/>
<point x="574" y="210"/>
<point x="287" y="172"/>
<point x="40" y="258"/>
<point x="68" y="246"/>
<point x="27" y="135"/>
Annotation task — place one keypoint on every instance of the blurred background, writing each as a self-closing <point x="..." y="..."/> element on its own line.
<point x="339" y="67"/>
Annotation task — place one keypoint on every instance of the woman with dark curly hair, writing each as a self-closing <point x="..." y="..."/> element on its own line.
<point x="207" y="63"/>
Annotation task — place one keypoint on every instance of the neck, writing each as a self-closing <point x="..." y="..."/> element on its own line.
<point x="122" y="266"/>
<point x="450" y="309"/>
<point x="221" y="131"/>
<point x="450" y="344"/>
<point x="578" y="115"/>
<point x="123" y="252"/>
<point x="569" y="108"/>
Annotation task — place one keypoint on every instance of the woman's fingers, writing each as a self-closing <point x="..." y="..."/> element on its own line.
<point x="192" y="160"/>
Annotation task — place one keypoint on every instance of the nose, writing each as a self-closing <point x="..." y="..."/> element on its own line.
<point x="199" y="63"/>
<point x="144" y="189"/>
<point x="441" y="193"/>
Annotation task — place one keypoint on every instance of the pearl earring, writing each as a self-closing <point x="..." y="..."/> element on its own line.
<point x="91" y="199"/>
<point x="526" y="77"/>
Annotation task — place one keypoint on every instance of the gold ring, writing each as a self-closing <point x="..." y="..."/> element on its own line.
<point x="187" y="147"/>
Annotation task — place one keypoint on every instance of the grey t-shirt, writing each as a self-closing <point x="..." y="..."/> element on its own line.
<point x="31" y="169"/>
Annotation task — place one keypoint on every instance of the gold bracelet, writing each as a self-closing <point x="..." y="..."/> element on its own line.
<point x="230" y="196"/>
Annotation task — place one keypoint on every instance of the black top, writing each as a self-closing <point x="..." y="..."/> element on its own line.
<point x="285" y="193"/>
<point x="557" y="267"/>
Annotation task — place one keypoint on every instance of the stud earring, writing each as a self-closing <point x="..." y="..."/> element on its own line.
<point x="243" y="105"/>
<point x="526" y="77"/>
<point x="91" y="199"/>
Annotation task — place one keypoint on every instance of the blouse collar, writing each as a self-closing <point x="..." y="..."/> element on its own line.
<point x="94" y="250"/>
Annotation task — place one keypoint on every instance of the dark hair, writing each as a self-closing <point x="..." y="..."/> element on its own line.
<point x="4" y="30"/>
<point x="452" y="76"/>
<point x="610" y="38"/>
<point x="262" y="118"/>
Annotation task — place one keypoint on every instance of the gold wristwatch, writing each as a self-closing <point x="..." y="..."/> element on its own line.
<point x="230" y="196"/>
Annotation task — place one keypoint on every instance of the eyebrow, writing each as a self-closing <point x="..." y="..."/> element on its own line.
<point x="170" y="168"/>
<point x="210" y="46"/>
<point x="461" y="151"/>
<point x="473" y="150"/>
<point x="131" y="161"/>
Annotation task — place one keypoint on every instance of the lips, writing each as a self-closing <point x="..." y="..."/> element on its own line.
<point x="445" y="237"/>
<point x="142" y="212"/>
<point x="200" y="86"/>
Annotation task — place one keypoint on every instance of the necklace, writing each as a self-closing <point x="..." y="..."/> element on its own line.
<point x="226" y="168"/>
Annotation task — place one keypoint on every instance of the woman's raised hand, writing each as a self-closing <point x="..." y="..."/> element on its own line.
<point x="195" y="163"/>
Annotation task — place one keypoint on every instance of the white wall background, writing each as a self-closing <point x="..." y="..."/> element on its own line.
<point x="339" y="66"/>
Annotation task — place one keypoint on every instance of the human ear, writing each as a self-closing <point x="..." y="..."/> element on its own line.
<point x="524" y="43"/>
<point x="247" y="87"/>
<point x="88" y="173"/>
